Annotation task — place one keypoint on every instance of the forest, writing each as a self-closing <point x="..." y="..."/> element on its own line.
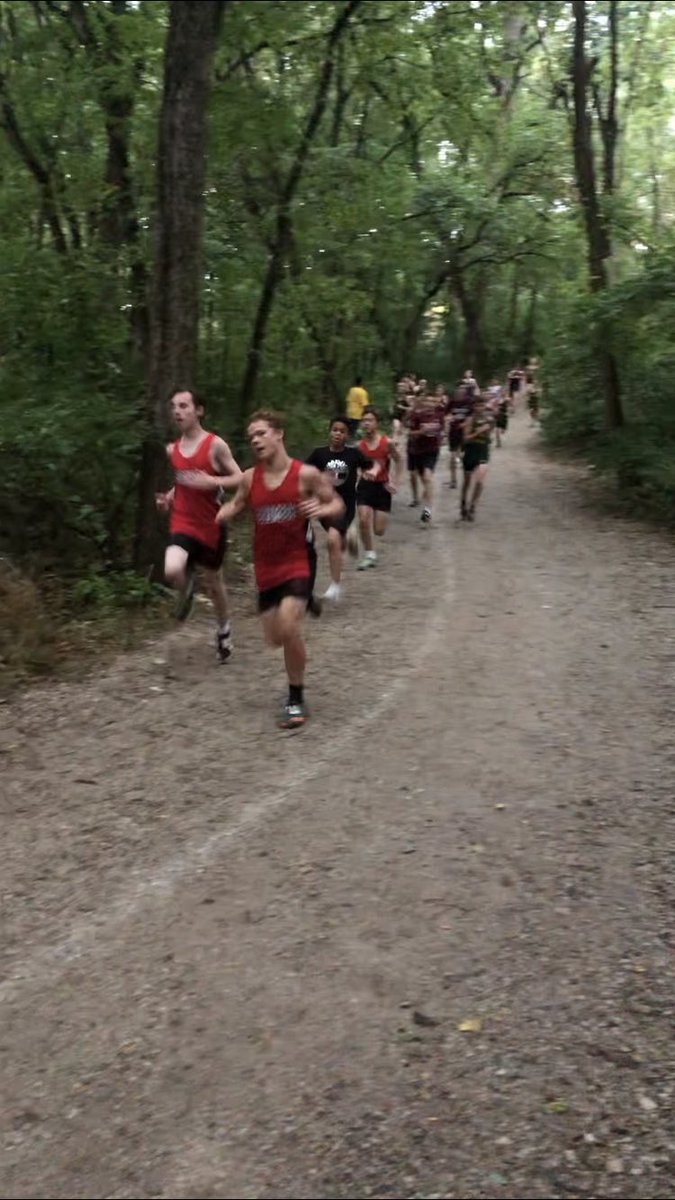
<point x="263" y="198"/>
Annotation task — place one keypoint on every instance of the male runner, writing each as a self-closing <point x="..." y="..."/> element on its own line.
<point x="458" y="409"/>
<point x="203" y="464"/>
<point x="342" y="463"/>
<point x="283" y="495"/>
<point x="374" y="492"/>
<point x="477" y="431"/>
<point x="425" y="433"/>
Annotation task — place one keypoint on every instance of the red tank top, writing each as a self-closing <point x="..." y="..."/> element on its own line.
<point x="282" y="536"/>
<point x="379" y="455"/>
<point x="193" y="511"/>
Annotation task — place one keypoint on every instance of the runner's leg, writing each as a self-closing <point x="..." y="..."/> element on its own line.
<point x="428" y="487"/>
<point x="335" y="552"/>
<point x="380" y="522"/>
<point x="366" y="529"/>
<point x="180" y="574"/>
<point x="282" y="626"/>
<point x="175" y="563"/>
<point x="466" y="482"/>
<point x="478" y="484"/>
<point x="214" y="586"/>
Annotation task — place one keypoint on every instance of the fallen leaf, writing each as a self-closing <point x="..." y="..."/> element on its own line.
<point x="470" y="1025"/>
<point x="557" y="1106"/>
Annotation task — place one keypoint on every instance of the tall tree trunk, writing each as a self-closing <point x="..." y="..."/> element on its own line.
<point x="597" y="235"/>
<point x="283" y="234"/>
<point x="174" y="309"/>
<point x="474" y="346"/>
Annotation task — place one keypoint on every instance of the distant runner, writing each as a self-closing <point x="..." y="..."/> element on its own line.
<point x="425" y="434"/>
<point x="477" y="432"/>
<point x="357" y="399"/>
<point x="458" y="410"/>
<point x="374" y="492"/>
<point x="342" y="463"/>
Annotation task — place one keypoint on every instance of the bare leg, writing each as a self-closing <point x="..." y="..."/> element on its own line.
<point x="428" y="486"/>
<point x="453" y="468"/>
<point x="366" y="526"/>
<point x="175" y="562"/>
<point x="415" y="487"/>
<point x="335" y="554"/>
<point x="379" y="523"/>
<point x="214" y="585"/>
<point x="466" y="483"/>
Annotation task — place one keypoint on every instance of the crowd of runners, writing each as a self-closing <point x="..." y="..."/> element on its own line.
<point x="345" y="486"/>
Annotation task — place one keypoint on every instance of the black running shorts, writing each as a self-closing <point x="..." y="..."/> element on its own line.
<point x="372" y="494"/>
<point x="198" y="552"/>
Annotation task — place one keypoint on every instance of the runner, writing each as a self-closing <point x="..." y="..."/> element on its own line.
<point x="283" y="495"/>
<point x="342" y="463"/>
<point x="458" y="409"/>
<point x="401" y="409"/>
<point x="425" y="433"/>
<point x="477" y="430"/>
<point x="515" y="385"/>
<point x="357" y="399"/>
<point x="470" y="384"/>
<point x="533" y="401"/>
<point x="373" y="494"/>
<point x="502" y="418"/>
<point x="203" y="464"/>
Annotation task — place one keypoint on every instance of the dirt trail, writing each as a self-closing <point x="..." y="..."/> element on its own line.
<point x="236" y="963"/>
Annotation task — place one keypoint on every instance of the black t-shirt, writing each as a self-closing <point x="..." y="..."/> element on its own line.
<point x="343" y="465"/>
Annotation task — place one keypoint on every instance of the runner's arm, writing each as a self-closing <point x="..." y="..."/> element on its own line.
<point x="224" y="459"/>
<point x="397" y="457"/>
<point x="164" y="500"/>
<point x="234" y="507"/>
<point x="322" y="500"/>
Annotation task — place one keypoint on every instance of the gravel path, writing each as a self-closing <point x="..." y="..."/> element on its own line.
<point x="423" y="949"/>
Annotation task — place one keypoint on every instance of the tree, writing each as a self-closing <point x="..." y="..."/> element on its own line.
<point x="596" y="220"/>
<point x="177" y="281"/>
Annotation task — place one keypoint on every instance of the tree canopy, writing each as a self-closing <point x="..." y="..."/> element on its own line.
<point x="272" y="197"/>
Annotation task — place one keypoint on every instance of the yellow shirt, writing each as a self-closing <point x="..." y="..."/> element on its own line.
<point x="357" y="399"/>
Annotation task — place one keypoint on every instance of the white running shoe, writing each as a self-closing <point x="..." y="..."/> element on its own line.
<point x="368" y="560"/>
<point x="333" y="592"/>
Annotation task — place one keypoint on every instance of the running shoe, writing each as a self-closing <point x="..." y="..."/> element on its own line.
<point x="333" y="592"/>
<point x="314" y="606"/>
<point x="224" y="646"/>
<point x="426" y="516"/>
<point x="366" y="563"/>
<point x="414" y="504"/>
<point x="293" y="716"/>
<point x="186" y="597"/>
<point x="471" y="513"/>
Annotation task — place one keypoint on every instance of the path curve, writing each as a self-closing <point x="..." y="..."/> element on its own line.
<point x="237" y="963"/>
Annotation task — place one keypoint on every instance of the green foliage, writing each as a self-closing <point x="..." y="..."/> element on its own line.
<point x="436" y="225"/>
<point x="106" y="594"/>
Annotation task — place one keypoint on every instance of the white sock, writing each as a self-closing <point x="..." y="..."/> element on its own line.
<point x="224" y="629"/>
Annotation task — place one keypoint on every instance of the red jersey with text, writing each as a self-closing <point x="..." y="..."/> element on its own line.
<point x="194" y="511"/>
<point x="379" y="455"/>
<point x="426" y="427"/>
<point x="282" y="535"/>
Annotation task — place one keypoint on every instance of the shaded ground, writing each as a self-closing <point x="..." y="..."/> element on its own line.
<point x="236" y="963"/>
